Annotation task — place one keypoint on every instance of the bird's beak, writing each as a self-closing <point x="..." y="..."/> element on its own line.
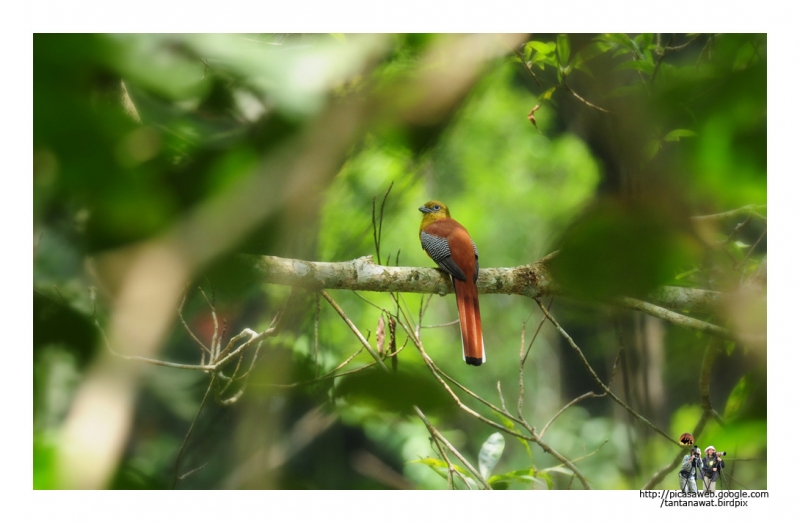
<point x="425" y="210"/>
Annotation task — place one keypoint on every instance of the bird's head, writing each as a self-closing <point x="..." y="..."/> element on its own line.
<point x="432" y="211"/>
<point x="435" y="208"/>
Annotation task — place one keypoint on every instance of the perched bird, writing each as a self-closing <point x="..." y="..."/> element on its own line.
<point x="448" y="243"/>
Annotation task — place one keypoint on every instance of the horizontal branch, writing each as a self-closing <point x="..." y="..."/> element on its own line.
<point x="747" y="209"/>
<point x="532" y="281"/>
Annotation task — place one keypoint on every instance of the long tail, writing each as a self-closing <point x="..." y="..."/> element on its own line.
<point x="469" y="314"/>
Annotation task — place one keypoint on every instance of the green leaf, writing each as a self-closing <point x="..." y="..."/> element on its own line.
<point x="677" y="134"/>
<point x="510" y="425"/>
<point x="562" y="44"/>
<point x="502" y="481"/>
<point x="621" y="51"/>
<point x="618" y="38"/>
<point x="651" y="149"/>
<point x="490" y="453"/>
<point x="542" y="60"/>
<point x="541" y="47"/>
<point x="644" y="41"/>
<point x="547" y="94"/>
<point x="687" y="273"/>
<point x="439" y="466"/>
<point x="548" y="479"/>
<point x="587" y="53"/>
<point x="638" y="65"/>
<point x="738" y="396"/>
<point x="744" y="57"/>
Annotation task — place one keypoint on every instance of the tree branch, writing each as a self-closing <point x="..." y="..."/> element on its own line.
<point x="532" y="281"/>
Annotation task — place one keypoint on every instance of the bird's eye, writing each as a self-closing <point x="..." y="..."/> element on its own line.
<point x="436" y="207"/>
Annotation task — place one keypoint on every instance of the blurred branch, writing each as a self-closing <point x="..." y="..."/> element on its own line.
<point x="215" y="365"/>
<point x="747" y="209"/>
<point x="674" y="317"/>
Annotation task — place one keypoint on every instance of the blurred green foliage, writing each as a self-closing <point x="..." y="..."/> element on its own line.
<point x="634" y="135"/>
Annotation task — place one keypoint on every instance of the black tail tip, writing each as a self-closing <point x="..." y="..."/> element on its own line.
<point x="474" y="361"/>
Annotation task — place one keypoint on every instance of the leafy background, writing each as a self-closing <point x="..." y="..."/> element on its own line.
<point x="634" y="135"/>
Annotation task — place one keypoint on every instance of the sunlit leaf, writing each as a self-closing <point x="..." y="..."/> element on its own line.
<point x="510" y="425"/>
<point x="644" y="40"/>
<point x="563" y="47"/>
<point x="502" y="481"/>
<point x="677" y="134"/>
<point x="490" y="453"/>
<point x="547" y="478"/>
<point x="542" y="47"/>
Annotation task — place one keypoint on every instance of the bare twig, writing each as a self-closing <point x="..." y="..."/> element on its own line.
<point x="533" y="437"/>
<point x="527" y="66"/>
<point x="353" y="328"/>
<point x="437" y="435"/>
<point x="674" y="317"/>
<point x="597" y="379"/>
<point x="661" y="56"/>
<point x="579" y="97"/>
<point x="440" y="325"/>
<point x="682" y="46"/>
<point x="183" y="321"/>
<point x="568" y="405"/>
<point x="747" y="209"/>
<point x="752" y="248"/>
<point x="178" y="477"/>
<point x="316" y="335"/>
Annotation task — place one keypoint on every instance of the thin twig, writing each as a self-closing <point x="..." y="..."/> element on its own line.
<point x="661" y="57"/>
<point x="674" y="317"/>
<point x="440" y="325"/>
<point x="576" y="95"/>
<point x="451" y="469"/>
<point x="747" y="209"/>
<point x="180" y="315"/>
<point x="502" y="400"/>
<point x="752" y="248"/>
<point x="189" y="432"/>
<point x="597" y="379"/>
<point x="214" y="340"/>
<point x="316" y="336"/>
<point x="682" y="46"/>
<point x="527" y="67"/>
<point x="353" y="328"/>
<point x="533" y="437"/>
<point x="436" y="434"/>
<point x="568" y="405"/>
